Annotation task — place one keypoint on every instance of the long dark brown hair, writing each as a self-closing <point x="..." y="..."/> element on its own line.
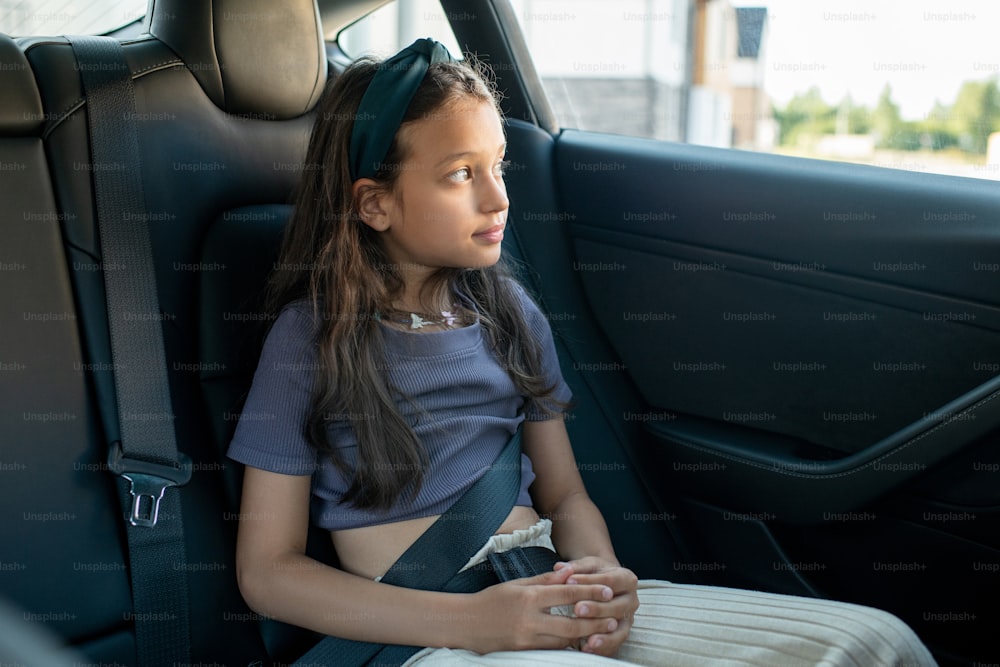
<point x="336" y="262"/>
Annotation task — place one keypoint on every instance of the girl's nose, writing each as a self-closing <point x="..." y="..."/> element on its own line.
<point x="495" y="197"/>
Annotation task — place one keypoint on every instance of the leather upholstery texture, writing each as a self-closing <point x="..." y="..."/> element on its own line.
<point x="259" y="58"/>
<point x="224" y="93"/>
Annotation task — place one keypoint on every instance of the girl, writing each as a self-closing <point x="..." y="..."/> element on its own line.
<point x="401" y="361"/>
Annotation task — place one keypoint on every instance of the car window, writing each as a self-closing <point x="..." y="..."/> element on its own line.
<point x="904" y="85"/>
<point x="396" y="25"/>
<point x="57" y="17"/>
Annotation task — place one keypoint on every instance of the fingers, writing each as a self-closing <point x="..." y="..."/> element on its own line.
<point x="604" y="604"/>
<point x="554" y="631"/>
<point x="621" y="606"/>
<point x="619" y="580"/>
<point x="558" y="595"/>
<point x="607" y="644"/>
<point x="575" y="628"/>
<point x="556" y="588"/>
<point x="587" y="564"/>
<point x="548" y="578"/>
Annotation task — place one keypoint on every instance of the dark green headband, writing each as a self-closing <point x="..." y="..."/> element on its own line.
<point x="385" y="103"/>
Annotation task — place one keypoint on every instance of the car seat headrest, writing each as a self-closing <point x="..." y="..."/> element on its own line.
<point x="259" y="58"/>
<point x="20" y="104"/>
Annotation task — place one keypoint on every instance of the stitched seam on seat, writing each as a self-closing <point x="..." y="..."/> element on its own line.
<point x="80" y="101"/>
<point x="61" y="116"/>
<point x="146" y="70"/>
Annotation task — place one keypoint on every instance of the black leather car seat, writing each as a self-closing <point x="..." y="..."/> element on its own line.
<point x="223" y="94"/>
<point x="60" y="533"/>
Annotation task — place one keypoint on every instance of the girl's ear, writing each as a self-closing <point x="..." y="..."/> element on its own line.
<point x="371" y="198"/>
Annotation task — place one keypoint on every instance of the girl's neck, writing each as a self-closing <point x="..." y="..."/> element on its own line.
<point x="419" y="297"/>
<point x="426" y="307"/>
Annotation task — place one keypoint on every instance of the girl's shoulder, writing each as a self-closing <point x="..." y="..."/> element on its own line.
<point x="533" y="314"/>
<point x="295" y="315"/>
<point x="294" y="323"/>
<point x="527" y="301"/>
<point x="513" y="294"/>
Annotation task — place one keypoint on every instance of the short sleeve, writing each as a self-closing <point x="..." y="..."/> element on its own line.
<point x="535" y="410"/>
<point x="271" y="432"/>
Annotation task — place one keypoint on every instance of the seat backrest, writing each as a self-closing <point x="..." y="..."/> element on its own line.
<point x="60" y="550"/>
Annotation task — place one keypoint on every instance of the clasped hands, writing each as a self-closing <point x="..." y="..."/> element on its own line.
<point x="516" y="615"/>
<point x="619" y="602"/>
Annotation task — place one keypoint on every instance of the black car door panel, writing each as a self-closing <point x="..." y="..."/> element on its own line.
<point x="759" y="313"/>
<point x="815" y="353"/>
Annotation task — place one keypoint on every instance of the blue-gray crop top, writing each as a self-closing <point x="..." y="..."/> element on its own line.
<point x="462" y="405"/>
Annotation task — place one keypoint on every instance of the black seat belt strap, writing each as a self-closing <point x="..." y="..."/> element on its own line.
<point x="437" y="555"/>
<point x="146" y="456"/>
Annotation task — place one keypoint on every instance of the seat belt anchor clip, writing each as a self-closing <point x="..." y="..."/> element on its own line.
<point x="147" y="482"/>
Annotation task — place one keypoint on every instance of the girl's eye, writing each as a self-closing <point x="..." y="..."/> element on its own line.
<point x="461" y="175"/>
<point x="501" y="168"/>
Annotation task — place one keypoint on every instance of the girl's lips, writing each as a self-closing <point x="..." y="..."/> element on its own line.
<point x="492" y="235"/>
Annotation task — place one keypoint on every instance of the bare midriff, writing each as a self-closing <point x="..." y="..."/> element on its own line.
<point x="371" y="550"/>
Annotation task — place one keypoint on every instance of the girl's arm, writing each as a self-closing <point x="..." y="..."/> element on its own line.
<point x="278" y="580"/>
<point x="578" y="529"/>
<point x="579" y="532"/>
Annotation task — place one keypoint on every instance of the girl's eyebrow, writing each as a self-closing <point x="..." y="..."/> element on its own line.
<point x="461" y="154"/>
<point x="454" y="156"/>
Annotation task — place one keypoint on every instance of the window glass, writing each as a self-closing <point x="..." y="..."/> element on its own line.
<point x="397" y="25"/>
<point x="58" y="17"/>
<point x="611" y="67"/>
<point x="908" y="85"/>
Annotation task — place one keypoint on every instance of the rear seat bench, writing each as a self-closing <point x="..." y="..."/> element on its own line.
<point x="223" y="117"/>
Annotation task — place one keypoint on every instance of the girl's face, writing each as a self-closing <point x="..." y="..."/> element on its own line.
<point x="449" y="204"/>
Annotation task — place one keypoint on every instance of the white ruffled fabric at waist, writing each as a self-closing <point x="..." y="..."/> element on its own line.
<point x="538" y="535"/>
